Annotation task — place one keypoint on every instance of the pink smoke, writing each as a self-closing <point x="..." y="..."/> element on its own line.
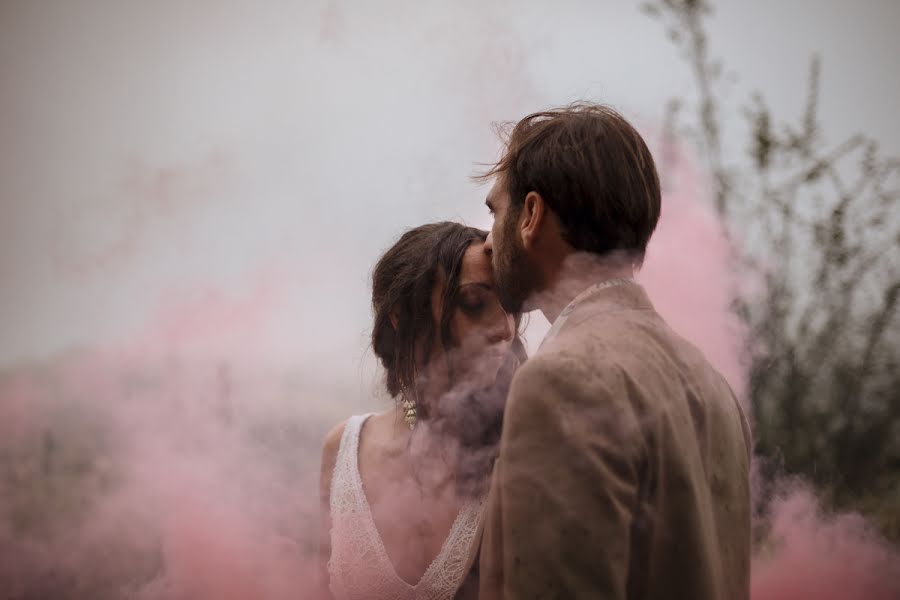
<point x="209" y="322"/>
<point x="805" y="553"/>
<point x="127" y="473"/>
<point x="812" y="555"/>
<point x="689" y="274"/>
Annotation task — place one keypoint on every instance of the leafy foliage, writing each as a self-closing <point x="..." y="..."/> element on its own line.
<point x="820" y="237"/>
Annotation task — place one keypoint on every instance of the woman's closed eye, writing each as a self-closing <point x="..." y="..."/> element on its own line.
<point x="472" y="305"/>
<point x="474" y="298"/>
<point x="479" y="301"/>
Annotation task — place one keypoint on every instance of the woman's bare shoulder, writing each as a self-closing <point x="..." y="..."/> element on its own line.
<point x="330" y="448"/>
<point x="332" y="443"/>
<point x="333" y="438"/>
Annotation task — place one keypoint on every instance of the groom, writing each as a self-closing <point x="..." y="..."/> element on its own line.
<point x="623" y="469"/>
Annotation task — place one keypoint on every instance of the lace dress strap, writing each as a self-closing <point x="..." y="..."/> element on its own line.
<point x="345" y="494"/>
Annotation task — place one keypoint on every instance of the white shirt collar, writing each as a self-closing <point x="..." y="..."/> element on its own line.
<point x="564" y="315"/>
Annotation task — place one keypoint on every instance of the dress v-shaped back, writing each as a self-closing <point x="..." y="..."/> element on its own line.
<point x="359" y="566"/>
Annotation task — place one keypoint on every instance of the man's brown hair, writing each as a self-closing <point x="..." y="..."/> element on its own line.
<point x="594" y="171"/>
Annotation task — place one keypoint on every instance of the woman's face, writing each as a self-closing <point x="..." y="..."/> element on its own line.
<point x="480" y="329"/>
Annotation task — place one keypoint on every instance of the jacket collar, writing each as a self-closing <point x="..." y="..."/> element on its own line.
<point x="609" y="296"/>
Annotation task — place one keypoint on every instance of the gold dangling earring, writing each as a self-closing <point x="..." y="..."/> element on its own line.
<point x="409" y="411"/>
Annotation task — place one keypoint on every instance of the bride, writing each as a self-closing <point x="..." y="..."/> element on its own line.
<point x="402" y="490"/>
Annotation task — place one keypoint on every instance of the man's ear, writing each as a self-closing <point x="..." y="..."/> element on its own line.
<point x="534" y="213"/>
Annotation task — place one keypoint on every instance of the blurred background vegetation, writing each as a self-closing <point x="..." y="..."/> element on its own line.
<point x="817" y="225"/>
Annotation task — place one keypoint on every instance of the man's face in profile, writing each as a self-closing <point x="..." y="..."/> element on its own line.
<point x="515" y="279"/>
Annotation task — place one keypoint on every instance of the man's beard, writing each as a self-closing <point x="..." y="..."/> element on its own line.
<point x="515" y="278"/>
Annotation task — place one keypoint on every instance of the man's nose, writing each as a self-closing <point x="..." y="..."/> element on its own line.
<point x="489" y="243"/>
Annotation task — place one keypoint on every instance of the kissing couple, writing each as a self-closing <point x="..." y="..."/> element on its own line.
<point x="613" y="463"/>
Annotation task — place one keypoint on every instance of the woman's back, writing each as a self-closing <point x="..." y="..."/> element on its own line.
<point x="392" y="536"/>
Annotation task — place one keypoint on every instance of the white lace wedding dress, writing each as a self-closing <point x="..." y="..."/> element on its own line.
<point x="359" y="567"/>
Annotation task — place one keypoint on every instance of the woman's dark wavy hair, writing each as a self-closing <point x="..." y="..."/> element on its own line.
<point x="402" y="285"/>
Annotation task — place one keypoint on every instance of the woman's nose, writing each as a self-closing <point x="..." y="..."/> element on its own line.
<point x="502" y="330"/>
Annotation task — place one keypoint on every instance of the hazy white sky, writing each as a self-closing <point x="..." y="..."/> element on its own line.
<point x="234" y="156"/>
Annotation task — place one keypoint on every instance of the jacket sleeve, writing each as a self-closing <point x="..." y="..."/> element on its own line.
<point x="566" y="483"/>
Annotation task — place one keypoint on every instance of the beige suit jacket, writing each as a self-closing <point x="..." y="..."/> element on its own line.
<point x="623" y="469"/>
